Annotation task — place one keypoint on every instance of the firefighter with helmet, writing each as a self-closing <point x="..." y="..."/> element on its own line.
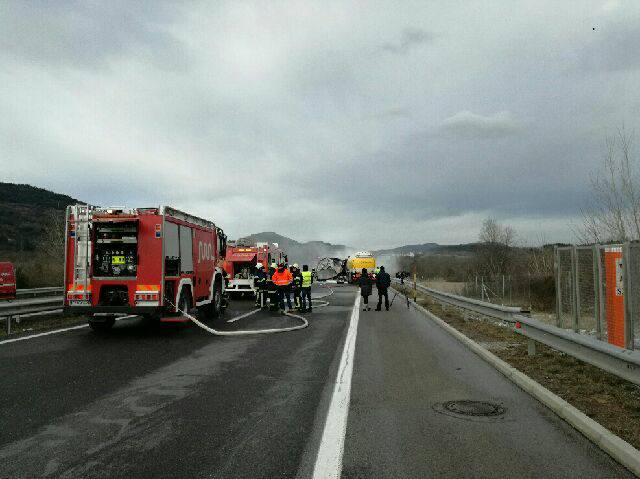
<point x="260" y="283"/>
<point x="296" y="285"/>
<point x="307" y="280"/>
<point x="282" y="280"/>
<point x="272" y="293"/>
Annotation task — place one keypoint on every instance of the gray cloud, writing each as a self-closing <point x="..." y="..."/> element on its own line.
<point x="609" y="44"/>
<point x="409" y="39"/>
<point x="393" y="113"/>
<point x="471" y="125"/>
<point x="89" y="34"/>
<point x="276" y="116"/>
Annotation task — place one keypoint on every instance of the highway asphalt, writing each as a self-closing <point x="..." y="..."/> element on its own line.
<point x="175" y="401"/>
<point x="406" y="369"/>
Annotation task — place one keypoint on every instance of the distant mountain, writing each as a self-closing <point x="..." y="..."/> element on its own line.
<point x="25" y="212"/>
<point x="301" y="253"/>
<point x="412" y="248"/>
<point x="429" y="248"/>
<point x="457" y="249"/>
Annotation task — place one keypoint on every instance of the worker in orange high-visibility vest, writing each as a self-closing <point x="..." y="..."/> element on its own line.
<point x="282" y="279"/>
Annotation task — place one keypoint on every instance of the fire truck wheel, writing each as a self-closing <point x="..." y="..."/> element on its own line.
<point x="185" y="301"/>
<point x="213" y="310"/>
<point x="217" y="300"/>
<point x="102" y="325"/>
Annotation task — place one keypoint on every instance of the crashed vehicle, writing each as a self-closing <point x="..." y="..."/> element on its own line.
<point x="329" y="269"/>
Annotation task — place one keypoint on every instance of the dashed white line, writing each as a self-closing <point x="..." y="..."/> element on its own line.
<point x="55" y="331"/>
<point x="329" y="460"/>
<point x="47" y="333"/>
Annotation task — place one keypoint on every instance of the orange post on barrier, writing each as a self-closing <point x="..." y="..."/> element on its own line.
<point x="614" y="293"/>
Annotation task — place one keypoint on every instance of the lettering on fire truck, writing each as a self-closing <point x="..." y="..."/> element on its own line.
<point x="205" y="251"/>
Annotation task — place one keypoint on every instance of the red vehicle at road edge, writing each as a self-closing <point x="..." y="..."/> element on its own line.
<point x="141" y="261"/>
<point x="7" y="281"/>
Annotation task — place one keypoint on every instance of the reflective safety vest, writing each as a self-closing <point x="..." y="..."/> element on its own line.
<point x="282" y="279"/>
<point x="306" y="279"/>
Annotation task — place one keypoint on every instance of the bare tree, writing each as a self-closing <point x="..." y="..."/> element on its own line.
<point x="540" y="260"/>
<point x="497" y="242"/>
<point x="51" y="243"/>
<point x="614" y="215"/>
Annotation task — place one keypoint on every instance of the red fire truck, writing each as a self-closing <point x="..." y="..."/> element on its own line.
<point x="7" y="281"/>
<point x="141" y="261"/>
<point x="241" y="260"/>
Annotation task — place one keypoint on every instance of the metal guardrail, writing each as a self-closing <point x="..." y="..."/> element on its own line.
<point x="36" y="292"/>
<point x="10" y="309"/>
<point x="624" y="363"/>
<point x="506" y="313"/>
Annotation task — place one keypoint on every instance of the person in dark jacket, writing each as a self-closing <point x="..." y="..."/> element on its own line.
<point x="260" y="283"/>
<point x="296" y="285"/>
<point x="272" y="292"/>
<point x="383" y="281"/>
<point x="365" y="289"/>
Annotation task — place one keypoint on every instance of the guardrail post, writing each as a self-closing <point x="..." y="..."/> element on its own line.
<point x="557" y="273"/>
<point x="598" y="309"/>
<point x="627" y="296"/>
<point x="576" y="288"/>
<point x="531" y="347"/>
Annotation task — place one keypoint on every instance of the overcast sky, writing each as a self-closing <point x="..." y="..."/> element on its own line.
<point x="367" y="123"/>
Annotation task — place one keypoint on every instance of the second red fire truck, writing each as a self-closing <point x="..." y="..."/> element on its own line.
<point x="241" y="260"/>
<point x="141" y="261"/>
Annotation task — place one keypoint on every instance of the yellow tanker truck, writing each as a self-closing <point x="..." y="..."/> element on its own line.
<point x="362" y="259"/>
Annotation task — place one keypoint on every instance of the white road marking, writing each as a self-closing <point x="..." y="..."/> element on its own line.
<point x="329" y="460"/>
<point x="56" y="331"/>
<point x="47" y="333"/>
<point x="236" y="318"/>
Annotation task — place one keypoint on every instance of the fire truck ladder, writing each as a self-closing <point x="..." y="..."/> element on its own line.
<point x="82" y="248"/>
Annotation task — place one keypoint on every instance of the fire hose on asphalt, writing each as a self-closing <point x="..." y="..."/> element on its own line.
<point x="247" y="332"/>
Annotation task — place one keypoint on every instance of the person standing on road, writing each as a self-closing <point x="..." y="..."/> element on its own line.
<point x="296" y="285"/>
<point x="282" y="279"/>
<point x="366" y="288"/>
<point x="383" y="281"/>
<point x="307" y="281"/>
<point x="260" y="283"/>
<point x="272" y="292"/>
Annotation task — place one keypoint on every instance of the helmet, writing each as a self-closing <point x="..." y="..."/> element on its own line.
<point x="295" y="265"/>
<point x="274" y="265"/>
<point x="259" y="266"/>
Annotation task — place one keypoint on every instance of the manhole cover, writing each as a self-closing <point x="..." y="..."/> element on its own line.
<point x="474" y="408"/>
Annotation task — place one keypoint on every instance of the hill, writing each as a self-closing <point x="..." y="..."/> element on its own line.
<point x="25" y="213"/>
<point x="429" y="248"/>
<point x="301" y="253"/>
<point x="407" y="249"/>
